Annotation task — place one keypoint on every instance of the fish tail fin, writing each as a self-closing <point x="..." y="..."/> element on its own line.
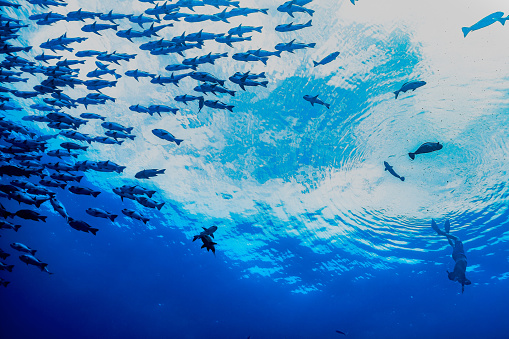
<point x="9" y="268"/>
<point x="150" y="193"/>
<point x="264" y="60"/>
<point x="43" y="218"/>
<point x="396" y="93"/>
<point x="308" y="23"/>
<point x="264" y="10"/>
<point x="264" y="83"/>
<point x="232" y="93"/>
<point x="402" y="178"/>
<point x="159" y="206"/>
<point x="201" y="102"/>
<point x="310" y="12"/>
<point x="129" y="130"/>
<point x="38" y="204"/>
<point x="95" y="194"/>
<point x="312" y="45"/>
<point x="327" y="105"/>
<point x="145" y="220"/>
<point x="316" y="63"/>
<point x="93" y="230"/>
<point x="112" y="217"/>
<point x="16" y="227"/>
<point x="5" y="283"/>
<point x="79" y="178"/>
<point x="131" y="137"/>
<point x="411" y="155"/>
<point x="43" y="266"/>
<point x="465" y="31"/>
<point x="178" y="141"/>
<point x="230" y="108"/>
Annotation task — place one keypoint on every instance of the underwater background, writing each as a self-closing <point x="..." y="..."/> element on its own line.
<point x="314" y="236"/>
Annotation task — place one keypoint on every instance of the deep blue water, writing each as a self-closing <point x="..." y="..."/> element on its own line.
<point x="313" y="235"/>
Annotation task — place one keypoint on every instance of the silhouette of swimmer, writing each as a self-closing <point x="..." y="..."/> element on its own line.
<point x="458" y="254"/>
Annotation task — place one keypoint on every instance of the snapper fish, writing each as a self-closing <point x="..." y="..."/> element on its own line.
<point x="99" y="213"/>
<point x="165" y="135"/>
<point x="135" y="215"/>
<point x="29" y="259"/>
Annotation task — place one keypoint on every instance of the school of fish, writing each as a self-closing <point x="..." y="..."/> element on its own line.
<point x="35" y="174"/>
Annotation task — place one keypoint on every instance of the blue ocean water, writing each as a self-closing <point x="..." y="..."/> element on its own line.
<point x="313" y="235"/>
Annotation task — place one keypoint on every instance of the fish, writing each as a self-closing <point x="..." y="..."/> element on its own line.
<point x="83" y="191"/>
<point x="3" y="254"/>
<point x="208" y="243"/>
<point x="413" y="85"/>
<point x="314" y="100"/>
<point x="30" y="215"/>
<point x="30" y="259"/>
<point x="206" y="231"/>
<point x="291" y="27"/>
<point x="6" y="267"/>
<point x="82" y="226"/>
<point x="148" y="173"/>
<point x="484" y="22"/>
<point x="8" y="226"/>
<point x="135" y="215"/>
<point x="292" y="45"/>
<point x="92" y="116"/>
<point x="249" y="57"/>
<point x="229" y="39"/>
<point x="290" y="8"/>
<point x="136" y="189"/>
<point x="110" y="16"/>
<point x="59" y="208"/>
<point x="97" y="212"/>
<point x="218" y="105"/>
<point x="22" y="248"/>
<point x="427" y="147"/>
<point x="329" y="58"/>
<point x="165" y="135"/>
<point x="147" y="202"/>
<point x="118" y="134"/>
<point x="391" y="171"/>
<point x="4" y="282"/>
<point x="95" y="27"/>
<point x="138" y="74"/>
<point x="116" y="127"/>
<point x="240" y="30"/>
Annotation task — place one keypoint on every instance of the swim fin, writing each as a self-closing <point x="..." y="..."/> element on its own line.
<point x="447" y="226"/>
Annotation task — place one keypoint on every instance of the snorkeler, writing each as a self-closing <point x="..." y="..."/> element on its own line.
<point x="458" y="254"/>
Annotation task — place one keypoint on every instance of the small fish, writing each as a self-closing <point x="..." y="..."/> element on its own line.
<point x="6" y="267"/>
<point x="206" y="231"/>
<point x="30" y="259"/>
<point x="97" y="212"/>
<point x="413" y="85"/>
<point x="165" y="135"/>
<point x="22" y="248"/>
<point x="148" y="173"/>
<point x="82" y="226"/>
<point x="427" y="147"/>
<point x="135" y="215"/>
<point x="314" y="100"/>
<point x="391" y="171"/>
<point x="329" y="58"/>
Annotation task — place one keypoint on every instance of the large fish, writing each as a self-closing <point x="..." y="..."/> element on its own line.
<point x="413" y="85"/>
<point x="427" y="147"/>
<point x="484" y="22"/>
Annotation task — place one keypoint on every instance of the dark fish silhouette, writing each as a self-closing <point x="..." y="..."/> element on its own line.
<point x="409" y="86"/>
<point x="391" y="171"/>
<point x="337" y="330"/>
<point x="427" y="147"/>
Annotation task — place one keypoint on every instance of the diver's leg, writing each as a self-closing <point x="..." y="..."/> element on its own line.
<point x="435" y="227"/>
<point x="447" y="226"/>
